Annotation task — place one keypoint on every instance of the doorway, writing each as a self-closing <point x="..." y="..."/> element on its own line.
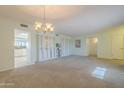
<point x="21" y="48"/>
<point x="92" y="46"/>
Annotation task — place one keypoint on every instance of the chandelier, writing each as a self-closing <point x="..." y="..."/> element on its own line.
<point x="44" y="26"/>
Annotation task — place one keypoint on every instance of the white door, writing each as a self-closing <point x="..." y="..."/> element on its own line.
<point x="44" y="47"/>
<point x="118" y="47"/>
<point x="40" y="46"/>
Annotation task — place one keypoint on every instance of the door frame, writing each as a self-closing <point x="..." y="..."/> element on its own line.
<point x="29" y="46"/>
<point x="88" y="46"/>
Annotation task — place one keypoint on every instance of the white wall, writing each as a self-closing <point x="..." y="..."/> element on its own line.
<point x="82" y="51"/>
<point x="7" y="28"/>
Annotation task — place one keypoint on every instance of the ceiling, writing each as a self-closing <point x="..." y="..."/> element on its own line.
<point x="73" y="20"/>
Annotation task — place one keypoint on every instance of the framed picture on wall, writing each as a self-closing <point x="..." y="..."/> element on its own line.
<point x="78" y="43"/>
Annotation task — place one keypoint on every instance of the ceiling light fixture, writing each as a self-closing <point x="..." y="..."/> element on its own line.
<point x="44" y="26"/>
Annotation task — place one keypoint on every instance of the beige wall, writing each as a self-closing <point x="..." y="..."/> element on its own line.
<point x="7" y="28"/>
<point x="104" y="45"/>
<point x="6" y="44"/>
<point x="105" y="41"/>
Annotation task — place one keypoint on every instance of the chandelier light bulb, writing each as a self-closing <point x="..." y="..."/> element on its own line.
<point x="48" y="25"/>
<point x="38" y="25"/>
<point x="51" y="29"/>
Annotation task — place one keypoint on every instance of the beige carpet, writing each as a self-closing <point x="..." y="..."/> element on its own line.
<point x="67" y="72"/>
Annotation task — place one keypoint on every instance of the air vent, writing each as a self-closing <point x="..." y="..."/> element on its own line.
<point x="24" y="25"/>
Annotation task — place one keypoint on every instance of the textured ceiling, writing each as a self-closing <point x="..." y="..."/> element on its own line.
<point x="72" y="20"/>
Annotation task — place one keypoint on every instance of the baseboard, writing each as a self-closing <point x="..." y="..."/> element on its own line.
<point x="6" y="69"/>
